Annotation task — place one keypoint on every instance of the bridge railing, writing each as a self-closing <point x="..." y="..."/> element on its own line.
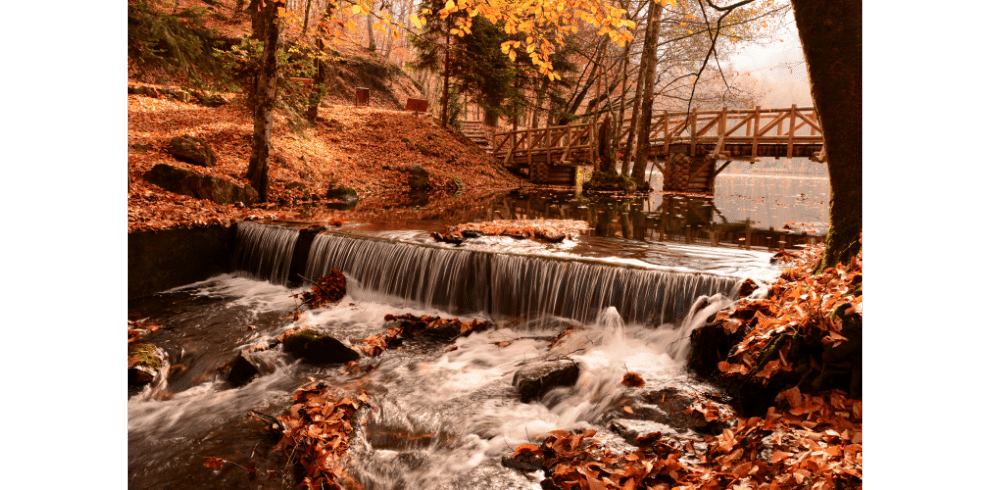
<point x="796" y="125"/>
<point x="565" y="141"/>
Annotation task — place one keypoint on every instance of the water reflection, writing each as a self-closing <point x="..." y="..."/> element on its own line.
<point x="680" y="218"/>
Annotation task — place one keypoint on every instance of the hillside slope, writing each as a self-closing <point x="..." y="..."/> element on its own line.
<point x="368" y="149"/>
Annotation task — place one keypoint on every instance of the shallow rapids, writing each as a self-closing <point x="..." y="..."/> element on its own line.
<point x="439" y="418"/>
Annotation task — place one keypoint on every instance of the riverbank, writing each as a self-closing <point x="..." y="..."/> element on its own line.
<point x="366" y="149"/>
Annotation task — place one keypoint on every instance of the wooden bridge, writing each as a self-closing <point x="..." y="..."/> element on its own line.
<point x="689" y="144"/>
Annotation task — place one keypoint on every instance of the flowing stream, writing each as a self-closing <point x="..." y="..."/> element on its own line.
<point x="438" y="418"/>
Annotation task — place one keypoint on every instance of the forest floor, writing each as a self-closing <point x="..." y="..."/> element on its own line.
<point x="367" y="149"/>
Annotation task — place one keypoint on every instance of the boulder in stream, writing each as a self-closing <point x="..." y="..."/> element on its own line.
<point x="535" y="379"/>
<point x="318" y="348"/>
<point x="146" y="363"/>
<point x="245" y="367"/>
<point x="671" y="410"/>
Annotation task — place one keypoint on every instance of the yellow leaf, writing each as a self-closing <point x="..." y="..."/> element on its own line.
<point x="356" y="9"/>
<point x="512" y="55"/>
<point x="451" y="6"/>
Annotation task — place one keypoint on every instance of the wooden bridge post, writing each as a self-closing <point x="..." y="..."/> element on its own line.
<point x="756" y="130"/>
<point x="666" y="133"/>
<point x="790" y="138"/>
<point x="694" y="130"/>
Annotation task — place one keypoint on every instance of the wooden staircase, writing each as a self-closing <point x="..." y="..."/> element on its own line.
<point x="475" y="131"/>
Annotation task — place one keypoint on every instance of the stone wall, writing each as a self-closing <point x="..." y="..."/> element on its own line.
<point x="160" y="260"/>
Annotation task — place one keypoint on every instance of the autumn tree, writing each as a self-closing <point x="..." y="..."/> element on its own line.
<point x="269" y="22"/>
<point x="832" y="38"/>
<point x="649" y="74"/>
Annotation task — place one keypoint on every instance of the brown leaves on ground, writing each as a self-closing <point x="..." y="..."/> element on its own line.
<point x="330" y="288"/>
<point x="349" y="146"/>
<point x="552" y="230"/>
<point x="819" y="449"/>
<point x="800" y="303"/>
<point x="316" y="429"/>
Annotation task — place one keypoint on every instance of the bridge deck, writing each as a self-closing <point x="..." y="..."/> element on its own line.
<point x="719" y="135"/>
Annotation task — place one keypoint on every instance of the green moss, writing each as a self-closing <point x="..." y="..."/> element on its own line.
<point x="604" y="181"/>
<point x="145" y="354"/>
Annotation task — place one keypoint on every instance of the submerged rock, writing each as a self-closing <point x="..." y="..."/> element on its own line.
<point x="536" y="379"/>
<point x="317" y="348"/>
<point x="245" y="367"/>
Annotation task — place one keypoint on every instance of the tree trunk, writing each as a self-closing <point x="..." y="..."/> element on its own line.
<point x="832" y="37"/>
<point x="540" y="92"/>
<point x="371" y="33"/>
<point x="258" y="24"/>
<point x="607" y="158"/>
<point x="633" y="121"/>
<point x="649" y="60"/>
<point x="306" y="17"/>
<point x="446" y="76"/>
<point x="265" y="102"/>
<point x="318" y="83"/>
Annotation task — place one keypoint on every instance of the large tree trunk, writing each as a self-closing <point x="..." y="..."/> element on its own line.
<point x="633" y="121"/>
<point x="832" y="36"/>
<point x="371" y="32"/>
<point x="265" y="101"/>
<point x="649" y="79"/>
<point x="446" y="76"/>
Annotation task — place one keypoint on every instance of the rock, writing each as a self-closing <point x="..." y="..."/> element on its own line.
<point x="146" y="364"/>
<point x="747" y="287"/>
<point x="182" y="95"/>
<point x="245" y="367"/>
<point x="151" y="92"/>
<point x="347" y="195"/>
<point x="664" y="411"/>
<point x="317" y="348"/>
<point x="192" y="150"/>
<point x="215" y="100"/>
<point x="536" y="379"/>
<point x="298" y="185"/>
<point x="189" y="183"/>
<point x="425" y="150"/>
<point x="711" y="344"/>
<point x="419" y="178"/>
<point x="141" y="147"/>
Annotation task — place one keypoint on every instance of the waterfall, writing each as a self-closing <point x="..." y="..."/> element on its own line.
<point x="509" y="286"/>
<point x="265" y="251"/>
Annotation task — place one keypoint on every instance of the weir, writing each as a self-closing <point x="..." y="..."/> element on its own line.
<point x="503" y="286"/>
<point x="265" y="251"/>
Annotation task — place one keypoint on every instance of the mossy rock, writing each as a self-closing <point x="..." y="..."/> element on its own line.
<point x="188" y="183"/>
<point x="607" y="182"/>
<point x="192" y="150"/>
<point x="347" y="195"/>
<point x="146" y="362"/>
<point x="318" y="348"/>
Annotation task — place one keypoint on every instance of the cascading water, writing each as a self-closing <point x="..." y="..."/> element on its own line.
<point x="265" y="251"/>
<point x="439" y="418"/>
<point x="509" y="286"/>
